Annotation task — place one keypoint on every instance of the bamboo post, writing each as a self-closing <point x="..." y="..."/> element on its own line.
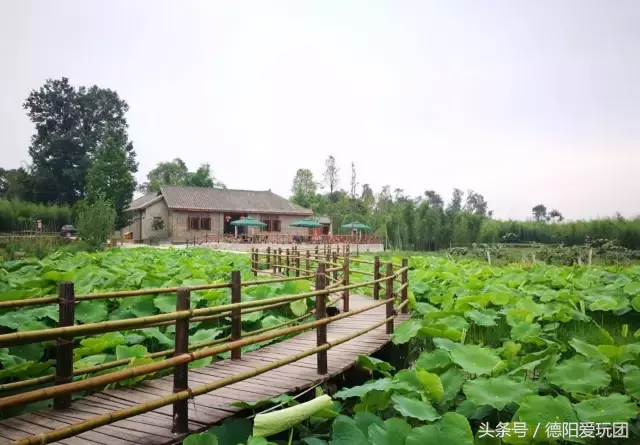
<point x="279" y="259"/>
<point x="334" y="259"/>
<point x="236" y="317"/>
<point x="405" y="290"/>
<point x="321" y="312"/>
<point x="338" y="249"/>
<point x="297" y="263"/>
<point x="286" y="267"/>
<point x="268" y="257"/>
<point x="256" y="262"/>
<point x="181" y="372"/>
<point x="345" y="281"/>
<point x="376" y="276"/>
<point x="388" y="296"/>
<point x="317" y="251"/>
<point x="590" y="255"/>
<point x="307" y="266"/>
<point x="64" y="346"/>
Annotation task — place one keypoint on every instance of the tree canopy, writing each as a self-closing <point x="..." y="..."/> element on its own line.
<point x="70" y="123"/>
<point x="175" y="172"/>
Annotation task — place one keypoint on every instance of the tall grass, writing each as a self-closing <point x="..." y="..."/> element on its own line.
<point x="21" y="215"/>
<point x="625" y="232"/>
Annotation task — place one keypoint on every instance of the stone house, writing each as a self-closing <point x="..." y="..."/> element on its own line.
<point x="182" y="212"/>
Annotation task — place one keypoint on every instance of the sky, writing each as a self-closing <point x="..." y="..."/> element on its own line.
<point x="525" y="102"/>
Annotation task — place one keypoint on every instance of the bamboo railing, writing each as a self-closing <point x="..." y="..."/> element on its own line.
<point x="281" y="238"/>
<point x="322" y="266"/>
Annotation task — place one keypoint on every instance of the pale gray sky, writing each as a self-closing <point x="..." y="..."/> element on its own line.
<point x="526" y="102"/>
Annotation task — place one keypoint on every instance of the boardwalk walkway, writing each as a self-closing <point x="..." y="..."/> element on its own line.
<point x="155" y="427"/>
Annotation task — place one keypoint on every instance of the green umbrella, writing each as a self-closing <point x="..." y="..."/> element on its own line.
<point x="248" y="222"/>
<point x="356" y="225"/>
<point x="307" y="222"/>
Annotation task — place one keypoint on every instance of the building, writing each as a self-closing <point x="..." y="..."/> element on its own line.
<point x="179" y="212"/>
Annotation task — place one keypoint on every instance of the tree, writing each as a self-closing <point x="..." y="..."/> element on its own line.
<point x="354" y="184"/>
<point x="96" y="221"/>
<point x="555" y="215"/>
<point x="203" y="177"/>
<point x="176" y="173"/>
<point x="304" y="188"/>
<point x="456" y="200"/>
<point x="331" y="173"/>
<point x="433" y="198"/>
<point x="111" y="174"/>
<point x="539" y="213"/>
<point x="16" y="184"/>
<point x="476" y="204"/>
<point x="70" y="122"/>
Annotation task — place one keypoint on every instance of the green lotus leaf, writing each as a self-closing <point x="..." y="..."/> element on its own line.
<point x="632" y="288"/>
<point x="298" y="307"/>
<point x="123" y="352"/>
<point x="406" y="331"/>
<point x="632" y="383"/>
<point x="414" y="408"/>
<point x="541" y="410"/>
<point x="486" y="317"/>
<point x="91" y="311"/>
<point x="431" y="384"/>
<point x="510" y="350"/>
<point x="452" y="429"/>
<point x="613" y="408"/>
<point x="474" y="359"/>
<point x="527" y="333"/>
<point x="385" y="384"/>
<point x="374" y="364"/>
<point x="635" y="303"/>
<point x="498" y="392"/>
<point x="345" y="431"/>
<point x="609" y="303"/>
<point x="364" y="420"/>
<point x="201" y="439"/>
<point x="393" y="432"/>
<point x="452" y="380"/>
<point x="436" y="360"/>
<point x="578" y="376"/>
<point x="588" y="350"/>
<point x="204" y="335"/>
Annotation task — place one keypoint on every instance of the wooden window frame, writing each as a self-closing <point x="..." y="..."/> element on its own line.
<point x="199" y="223"/>
<point x="273" y="225"/>
<point x="205" y="223"/>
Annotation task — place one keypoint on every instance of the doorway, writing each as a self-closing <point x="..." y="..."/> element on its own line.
<point x="231" y="230"/>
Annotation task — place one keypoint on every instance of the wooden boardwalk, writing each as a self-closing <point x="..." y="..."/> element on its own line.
<point x="155" y="427"/>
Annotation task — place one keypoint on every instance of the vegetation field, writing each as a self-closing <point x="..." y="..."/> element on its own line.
<point x="497" y="355"/>
<point x="127" y="269"/>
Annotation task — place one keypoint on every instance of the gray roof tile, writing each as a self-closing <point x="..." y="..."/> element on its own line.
<point x="145" y="201"/>
<point x="228" y="200"/>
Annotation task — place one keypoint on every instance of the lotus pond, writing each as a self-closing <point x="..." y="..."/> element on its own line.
<point x="128" y="269"/>
<point x="519" y="354"/>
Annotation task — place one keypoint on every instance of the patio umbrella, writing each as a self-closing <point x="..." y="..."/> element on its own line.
<point x="307" y="222"/>
<point x="356" y="225"/>
<point x="247" y="222"/>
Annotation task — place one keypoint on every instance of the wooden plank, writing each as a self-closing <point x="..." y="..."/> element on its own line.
<point x="29" y="429"/>
<point x="137" y="436"/>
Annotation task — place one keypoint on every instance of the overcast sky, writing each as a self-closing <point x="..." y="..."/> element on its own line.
<point x="526" y="102"/>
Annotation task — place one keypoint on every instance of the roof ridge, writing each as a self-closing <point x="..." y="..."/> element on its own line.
<point x="227" y="189"/>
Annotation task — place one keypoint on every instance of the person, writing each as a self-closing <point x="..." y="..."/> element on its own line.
<point x="39" y="226"/>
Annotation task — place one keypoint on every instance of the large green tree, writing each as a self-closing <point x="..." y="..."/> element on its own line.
<point x="175" y="172"/>
<point x="16" y="184"/>
<point x="111" y="174"/>
<point x="70" y="122"/>
<point x="304" y="188"/>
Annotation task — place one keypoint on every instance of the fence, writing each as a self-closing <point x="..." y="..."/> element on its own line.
<point x="330" y="271"/>
<point x="279" y="238"/>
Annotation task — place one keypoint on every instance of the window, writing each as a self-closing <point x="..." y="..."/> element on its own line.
<point x="198" y="223"/>
<point x="273" y="225"/>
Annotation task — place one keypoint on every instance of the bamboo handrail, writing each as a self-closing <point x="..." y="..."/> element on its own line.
<point x="105" y="419"/>
<point x="41" y="301"/>
<point x="363" y="272"/>
<point x="116" y="363"/>
<point x="22" y="337"/>
<point x="113" y="377"/>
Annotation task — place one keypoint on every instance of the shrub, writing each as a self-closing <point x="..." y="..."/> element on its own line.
<point x="96" y="221"/>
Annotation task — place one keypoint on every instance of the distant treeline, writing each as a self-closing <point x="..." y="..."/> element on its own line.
<point x="625" y="232"/>
<point x="22" y="215"/>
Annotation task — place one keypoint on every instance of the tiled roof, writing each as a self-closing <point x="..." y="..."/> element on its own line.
<point x="145" y="201"/>
<point x="228" y="200"/>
